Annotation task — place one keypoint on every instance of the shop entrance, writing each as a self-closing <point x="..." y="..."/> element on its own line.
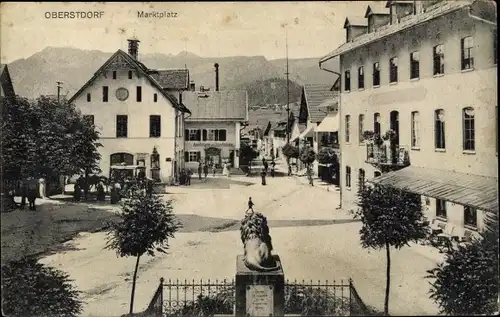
<point x="213" y="156"/>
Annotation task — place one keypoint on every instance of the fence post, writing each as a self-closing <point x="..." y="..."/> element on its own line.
<point x="160" y="313"/>
<point x="350" y="297"/>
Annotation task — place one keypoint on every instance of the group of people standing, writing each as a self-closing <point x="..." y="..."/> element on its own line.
<point x="185" y="176"/>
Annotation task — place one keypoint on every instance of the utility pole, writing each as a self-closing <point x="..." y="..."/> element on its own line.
<point x="59" y="86"/>
<point x="287" y="90"/>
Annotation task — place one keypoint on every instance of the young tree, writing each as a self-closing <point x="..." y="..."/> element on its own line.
<point x="391" y="217"/>
<point x="147" y="223"/>
<point x="308" y="156"/>
<point x="31" y="289"/>
<point x="467" y="282"/>
<point x="290" y="151"/>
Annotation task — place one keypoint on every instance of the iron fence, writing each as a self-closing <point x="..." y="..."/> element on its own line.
<point x="209" y="298"/>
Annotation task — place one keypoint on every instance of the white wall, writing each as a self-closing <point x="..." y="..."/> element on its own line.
<point x="138" y="140"/>
<point x="452" y="92"/>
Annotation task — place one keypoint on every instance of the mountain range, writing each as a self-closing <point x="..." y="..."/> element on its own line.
<point x="37" y="75"/>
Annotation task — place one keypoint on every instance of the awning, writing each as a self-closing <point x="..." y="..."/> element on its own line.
<point x="125" y="167"/>
<point x="329" y="124"/>
<point x="460" y="188"/>
<point x="307" y="133"/>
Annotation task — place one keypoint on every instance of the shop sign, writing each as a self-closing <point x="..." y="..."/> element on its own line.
<point x="213" y="144"/>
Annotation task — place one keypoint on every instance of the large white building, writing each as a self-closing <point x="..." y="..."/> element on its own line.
<point x="138" y="113"/>
<point x="427" y="70"/>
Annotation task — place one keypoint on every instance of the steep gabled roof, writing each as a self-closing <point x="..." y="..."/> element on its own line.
<point x="6" y="81"/>
<point x="377" y="8"/>
<point x="226" y="105"/>
<point x="355" y="21"/>
<point x="177" y="79"/>
<point x="138" y="66"/>
<point x="314" y="97"/>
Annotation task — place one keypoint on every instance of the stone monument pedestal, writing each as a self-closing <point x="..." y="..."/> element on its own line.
<point x="259" y="293"/>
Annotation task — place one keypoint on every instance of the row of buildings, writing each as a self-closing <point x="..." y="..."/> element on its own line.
<point x="313" y="121"/>
<point x="418" y="106"/>
<point x="156" y="120"/>
<point x="414" y="106"/>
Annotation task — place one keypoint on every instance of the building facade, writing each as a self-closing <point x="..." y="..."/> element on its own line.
<point x="419" y="102"/>
<point x="138" y="114"/>
<point x="213" y="130"/>
<point x="317" y="102"/>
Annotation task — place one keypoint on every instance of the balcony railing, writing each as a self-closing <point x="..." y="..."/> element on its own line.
<point x="394" y="155"/>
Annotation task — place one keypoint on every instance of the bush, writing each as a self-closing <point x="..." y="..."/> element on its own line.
<point x="327" y="155"/>
<point x="290" y="151"/>
<point x="467" y="282"/>
<point x="308" y="156"/>
<point x="32" y="289"/>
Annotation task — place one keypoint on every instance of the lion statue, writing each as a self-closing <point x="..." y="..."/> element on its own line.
<point x="257" y="243"/>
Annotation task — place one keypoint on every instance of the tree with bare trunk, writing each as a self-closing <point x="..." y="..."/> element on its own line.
<point x="391" y="217"/>
<point x="147" y="223"/>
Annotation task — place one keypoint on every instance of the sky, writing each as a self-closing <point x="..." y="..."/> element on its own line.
<point x="206" y="29"/>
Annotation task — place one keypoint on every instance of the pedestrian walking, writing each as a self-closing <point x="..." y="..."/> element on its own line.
<point x="273" y="167"/>
<point x="205" y="170"/>
<point x="263" y="175"/>
<point x="310" y="175"/>
<point x="77" y="191"/>
<point x="188" y="177"/>
<point x="214" y="169"/>
<point x="250" y="204"/>
<point x="200" y="170"/>
<point x="101" y="196"/>
<point x="182" y="177"/>
<point x="266" y="165"/>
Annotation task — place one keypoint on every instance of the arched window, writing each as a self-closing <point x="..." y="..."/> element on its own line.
<point x="439" y="129"/>
<point x="377" y="174"/>
<point x="361" y="120"/>
<point x="468" y="129"/>
<point x="376" y="123"/>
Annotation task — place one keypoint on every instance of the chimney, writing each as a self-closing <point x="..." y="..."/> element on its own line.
<point x="216" y="76"/>
<point x="192" y="86"/>
<point x="133" y="47"/>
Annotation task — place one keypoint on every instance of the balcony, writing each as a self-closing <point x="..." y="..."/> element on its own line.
<point x="392" y="157"/>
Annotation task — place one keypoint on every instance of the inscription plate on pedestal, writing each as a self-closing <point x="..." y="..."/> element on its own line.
<point x="260" y="300"/>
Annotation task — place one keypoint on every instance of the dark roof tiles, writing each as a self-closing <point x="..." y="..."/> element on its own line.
<point x="216" y="105"/>
<point x="316" y="95"/>
<point x="171" y="78"/>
